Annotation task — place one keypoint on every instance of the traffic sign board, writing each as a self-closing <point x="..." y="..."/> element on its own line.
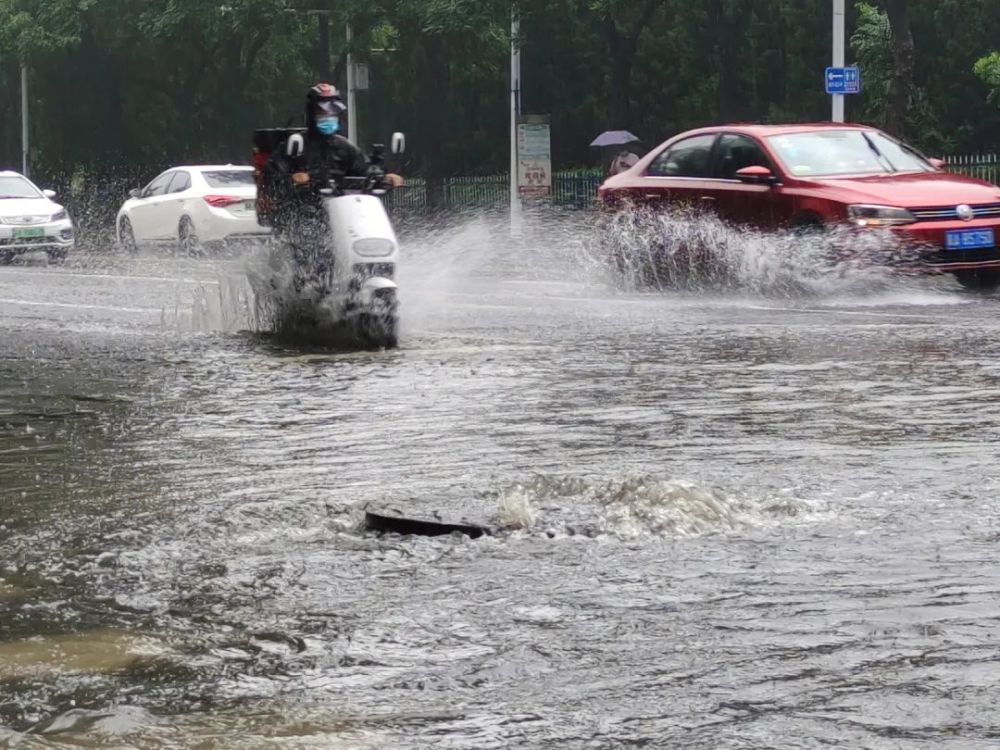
<point x="843" y="80"/>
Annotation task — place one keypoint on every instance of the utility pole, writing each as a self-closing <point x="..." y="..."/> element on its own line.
<point x="515" y="109"/>
<point x="323" y="23"/>
<point x="352" y="109"/>
<point x="838" y="55"/>
<point x="25" y="166"/>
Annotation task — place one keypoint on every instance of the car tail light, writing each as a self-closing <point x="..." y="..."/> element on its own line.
<point x="221" y="201"/>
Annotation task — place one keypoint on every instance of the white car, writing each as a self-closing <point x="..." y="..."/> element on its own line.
<point x="196" y="208"/>
<point x="31" y="221"/>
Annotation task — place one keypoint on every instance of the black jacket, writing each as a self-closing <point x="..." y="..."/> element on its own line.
<point x="323" y="158"/>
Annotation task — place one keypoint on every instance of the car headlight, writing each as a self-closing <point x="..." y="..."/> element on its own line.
<point x="374" y="247"/>
<point x="59" y="215"/>
<point x="864" y="215"/>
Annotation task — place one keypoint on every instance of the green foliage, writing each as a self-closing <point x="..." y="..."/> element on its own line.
<point x="871" y="44"/>
<point x="138" y="85"/>
<point x="988" y="70"/>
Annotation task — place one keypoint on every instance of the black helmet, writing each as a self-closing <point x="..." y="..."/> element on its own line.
<point x="323" y="99"/>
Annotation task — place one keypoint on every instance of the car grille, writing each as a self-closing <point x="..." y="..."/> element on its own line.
<point x="939" y="213"/>
<point x="962" y="256"/>
<point x="26" y="220"/>
<point x="28" y="241"/>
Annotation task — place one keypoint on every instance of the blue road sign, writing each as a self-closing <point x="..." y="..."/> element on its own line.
<point x="843" y="80"/>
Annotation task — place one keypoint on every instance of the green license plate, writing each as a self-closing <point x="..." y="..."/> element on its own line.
<point x="35" y="232"/>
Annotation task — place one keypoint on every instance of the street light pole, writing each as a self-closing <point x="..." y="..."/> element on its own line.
<point x="323" y="22"/>
<point x="515" y="106"/>
<point x="352" y="109"/>
<point x="24" y="120"/>
<point x="838" y="55"/>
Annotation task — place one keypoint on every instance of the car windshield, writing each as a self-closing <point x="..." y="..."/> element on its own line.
<point x="839" y="152"/>
<point x="229" y="178"/>
<point x="15" y="186"/>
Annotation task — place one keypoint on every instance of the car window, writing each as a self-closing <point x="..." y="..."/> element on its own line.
<point x="833" y="152"/>
<point x="229" y="178"/>
<point x="15" y="186"/>
<point x="180" y="182"/>
<point x="739" y="151"/>
<point x="686" y="158"/>
<point x="158" y="186"/>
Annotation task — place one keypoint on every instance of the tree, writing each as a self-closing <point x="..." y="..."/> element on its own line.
<point x="988" y="70"/>
<point x="901" y="83"/>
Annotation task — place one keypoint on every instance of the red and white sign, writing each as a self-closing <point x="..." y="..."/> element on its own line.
<point x="534" y="157"/>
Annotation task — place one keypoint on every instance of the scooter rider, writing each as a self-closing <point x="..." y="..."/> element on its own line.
<point x="294" y="180"/>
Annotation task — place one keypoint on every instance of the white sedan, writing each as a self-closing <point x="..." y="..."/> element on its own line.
<point x="195" y="208"/>
<point x="31" y="221"/>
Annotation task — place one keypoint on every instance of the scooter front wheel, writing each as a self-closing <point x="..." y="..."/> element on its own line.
<point x="380" y="323"/>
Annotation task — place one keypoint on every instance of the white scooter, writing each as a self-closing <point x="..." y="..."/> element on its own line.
<point x="343" y="279"/>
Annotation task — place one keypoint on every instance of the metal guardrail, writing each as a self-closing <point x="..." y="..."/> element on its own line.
<point x="571" y="189"/>
<point x="984" y="166"/>
<point x="579" y="189"/>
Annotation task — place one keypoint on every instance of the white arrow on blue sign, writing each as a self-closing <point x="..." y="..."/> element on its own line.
<point x="843" y="80"/>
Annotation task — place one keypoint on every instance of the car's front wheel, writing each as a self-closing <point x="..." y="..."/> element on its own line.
<point x="126" y="236"/>
<point x="187" y="237"/>
<point x="984" y="280"/>
<point x="56" y="257"/>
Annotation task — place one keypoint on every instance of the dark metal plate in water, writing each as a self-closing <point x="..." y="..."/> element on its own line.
<point x="422" y="527"/>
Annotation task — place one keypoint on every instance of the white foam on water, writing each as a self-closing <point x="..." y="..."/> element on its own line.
<point x="636" y="507"/>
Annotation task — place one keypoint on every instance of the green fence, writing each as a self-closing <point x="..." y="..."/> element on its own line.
<point x="578" y="189"/>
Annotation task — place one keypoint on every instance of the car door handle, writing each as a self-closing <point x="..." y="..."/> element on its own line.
<point x="651" y="195"/>
<point x="707" y="199"/>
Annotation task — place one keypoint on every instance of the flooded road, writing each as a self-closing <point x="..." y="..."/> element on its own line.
<point x="723" y="519"/>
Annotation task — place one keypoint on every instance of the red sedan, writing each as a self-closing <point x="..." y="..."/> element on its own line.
<point x="774" y="176"/>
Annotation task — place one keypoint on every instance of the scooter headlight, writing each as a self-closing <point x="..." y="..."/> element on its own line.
<point x="863" y="215"/>
<point x="374" y="247"/>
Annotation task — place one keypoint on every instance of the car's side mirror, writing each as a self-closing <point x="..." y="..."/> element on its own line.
<point x="49" y="193"/>
<point x="756" y="175"/>
<point x="135" y="193"/>
<point x="938" y="163"/>
<point x="398" y="143"/>
<point x="295" y="146"/>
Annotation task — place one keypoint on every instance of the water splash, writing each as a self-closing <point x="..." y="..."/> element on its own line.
<point x="632" y="507"/>
<point x="695" y="250"/>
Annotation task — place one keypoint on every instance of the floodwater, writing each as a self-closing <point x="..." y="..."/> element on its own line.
<point x="758" y="516"/>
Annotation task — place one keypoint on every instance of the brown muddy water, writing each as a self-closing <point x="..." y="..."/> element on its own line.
<point x="738" y="518"/>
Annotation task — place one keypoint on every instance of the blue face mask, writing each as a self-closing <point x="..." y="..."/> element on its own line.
<point x="327" y="125"/>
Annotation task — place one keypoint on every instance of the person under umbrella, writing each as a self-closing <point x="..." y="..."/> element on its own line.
<point x="619" y="140"/>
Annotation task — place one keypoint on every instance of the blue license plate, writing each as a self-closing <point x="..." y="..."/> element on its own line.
<point x="969" y="239"/>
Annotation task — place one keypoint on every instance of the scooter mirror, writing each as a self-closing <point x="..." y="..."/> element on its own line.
<point x="398" y="143"/>
<point x="296" y="145"/>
